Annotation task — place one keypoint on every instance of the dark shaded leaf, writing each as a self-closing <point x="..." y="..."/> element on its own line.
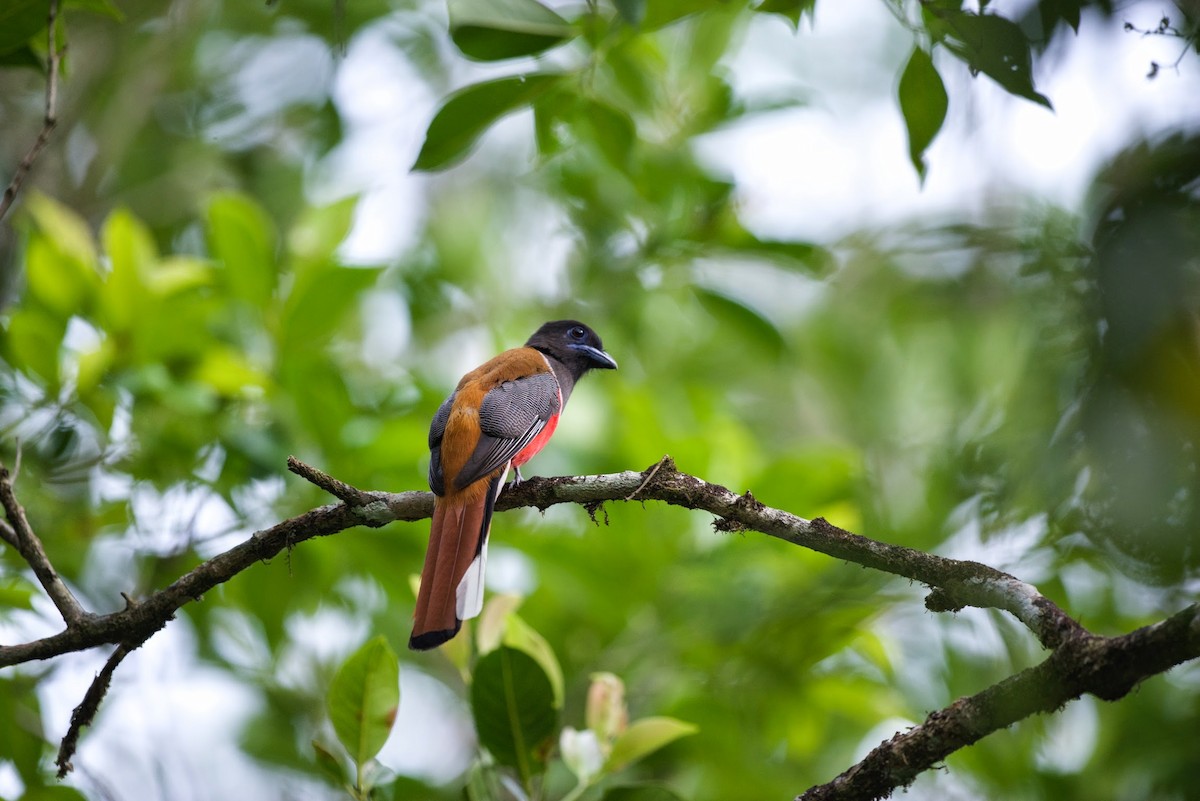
<point x="923" y="103"/>
<point x="471" y="111"/>
<point x="103" y="7"/>
<point x="490" y="30"/>
<point x="513" y="704"/>
<point x="794" y="10"/>
<point x="740" y="317"/>
<point x="995" y="46"/>
<point x="632" y="11"/>
<point x="20" y="21"/>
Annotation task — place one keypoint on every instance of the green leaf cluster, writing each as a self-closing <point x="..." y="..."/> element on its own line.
<point x="1016" y="387"/>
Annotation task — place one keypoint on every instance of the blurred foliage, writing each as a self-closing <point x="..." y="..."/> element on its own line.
<point x="179" y="314"/>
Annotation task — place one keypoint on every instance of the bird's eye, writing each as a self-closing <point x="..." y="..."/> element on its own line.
<point x="577" y="332"/>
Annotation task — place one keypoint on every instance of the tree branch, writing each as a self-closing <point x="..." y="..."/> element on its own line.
<point x="1107" y="667"/>
<point x="30" y="548"/>
<point x="49" y="118"/>
<point x="85" y="713"/>
<point x="1080" y="662"/>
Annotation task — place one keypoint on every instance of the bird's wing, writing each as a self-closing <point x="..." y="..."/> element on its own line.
<point x="510" y="416"/>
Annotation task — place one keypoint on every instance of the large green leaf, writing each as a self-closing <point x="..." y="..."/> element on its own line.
<point x="501" y="625"/>
<point x="31" y="342"/>
<point x="363" y="699"/>
<point x="489" y="30"/>
<point x="513" y="704"/>
<point x="995" y="46"/>
<point x="471" y="111"/>
<point x="242" y="237"/>
<point x="923" y="102"/>
<point x="19" y="21"/>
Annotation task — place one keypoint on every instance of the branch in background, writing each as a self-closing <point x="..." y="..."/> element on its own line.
<point x="1107" y="667"/>
<point x="85" y="713"/>
<point x="1080" y="663"/>
<point x="49" y="118"/>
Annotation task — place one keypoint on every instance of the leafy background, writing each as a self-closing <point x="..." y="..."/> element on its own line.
<point x="226" y="261"/>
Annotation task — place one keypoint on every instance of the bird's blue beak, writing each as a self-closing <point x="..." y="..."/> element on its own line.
<point x="601" y="359"/>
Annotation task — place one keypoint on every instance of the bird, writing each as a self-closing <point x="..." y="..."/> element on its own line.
<point x="500" y="415"/>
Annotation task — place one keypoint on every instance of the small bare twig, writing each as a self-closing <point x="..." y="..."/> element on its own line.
<point x="49" y="118"/>
<point x="338" y="489"/>
<point x="649" y="477"/>
<point x="30" y="547"/>
<point x="85" y="713"/>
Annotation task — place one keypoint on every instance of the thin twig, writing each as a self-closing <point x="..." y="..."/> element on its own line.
<point x="649" y="477"/>
<point x="49" y="119"/>
<point x="85" y="713"/>
<point x="31" y="549"/>
<point x="335" y="487"/>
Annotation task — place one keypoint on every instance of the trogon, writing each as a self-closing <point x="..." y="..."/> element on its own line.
<point x="500" y="415"/>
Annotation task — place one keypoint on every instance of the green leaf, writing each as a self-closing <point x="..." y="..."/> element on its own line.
<point x="132" y="254"/>
<point x="363" y="698"/>
<point x="640" y="792"/>
<point x="489" y="30"/>
<point x="792" y="9"/>
<point x="923" y="103"/>
<point x="67" y="231"/>
<point x="53" y="792"/>
<point x="316" y="235"/>
<point x="995" y="46"/>
<point x="513" y="704"/>
<point x="644" y="737"/>
<point x="22" y="739"/>
<point x="661" y="13"/>
<point x="471" y="111"/>
<point x="332" y="766"/>
<point x="740" y="317"/>
<point x="520" y="635"/>
<point x="319" y="302"/>
<point x="16" y="593"/>
<point x="31" y="342"/>
<point x="20" y="21"/>
<point x="103" y="7"/>
<point x="21" y="57"/>
<point x="1052" y="12"/>
<point x="242" y="238"/>
<point x="632" y="11"/>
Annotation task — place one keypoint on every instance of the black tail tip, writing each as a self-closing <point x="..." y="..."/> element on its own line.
<point x="432" y="639"/>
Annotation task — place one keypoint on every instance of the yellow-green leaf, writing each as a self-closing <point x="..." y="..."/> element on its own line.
<point x="644" y="737"/>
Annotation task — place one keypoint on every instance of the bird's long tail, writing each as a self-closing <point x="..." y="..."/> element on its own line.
<point x="452" y="579"/>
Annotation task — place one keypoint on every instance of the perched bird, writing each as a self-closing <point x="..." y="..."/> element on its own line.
<point x="502" y="413"/>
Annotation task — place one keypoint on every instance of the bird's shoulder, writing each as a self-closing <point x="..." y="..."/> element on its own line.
<point x="511" y="365"/>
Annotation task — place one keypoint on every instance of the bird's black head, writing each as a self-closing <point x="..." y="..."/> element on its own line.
<point x="573" y="344"/>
